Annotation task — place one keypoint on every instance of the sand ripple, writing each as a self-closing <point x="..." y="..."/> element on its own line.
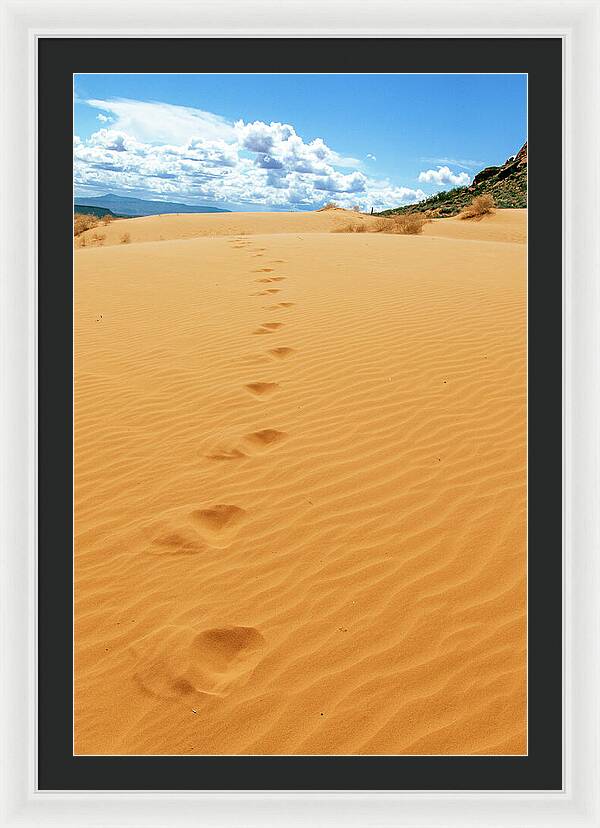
<point x="311" y="540"/>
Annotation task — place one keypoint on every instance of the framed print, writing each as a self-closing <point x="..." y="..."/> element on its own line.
<point x="302" y="371"/>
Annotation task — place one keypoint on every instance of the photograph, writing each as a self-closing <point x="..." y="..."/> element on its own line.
<point x="300" y="408"/>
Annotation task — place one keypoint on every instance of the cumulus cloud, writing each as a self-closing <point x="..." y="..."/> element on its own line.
<point x="444" y="175"/>
<point x="165" y="151"/>
<point x="102" y="118"/>
<point x="278" y="145"/>
<point x="371" y="157"/>
<point x="336" y="182"/>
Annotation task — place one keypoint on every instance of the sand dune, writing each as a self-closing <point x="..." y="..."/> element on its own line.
<point x="300" y="503"/>
<point x="503" y="225"/>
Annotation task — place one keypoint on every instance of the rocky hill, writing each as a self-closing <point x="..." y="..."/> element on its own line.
<point x="507" y="184"/>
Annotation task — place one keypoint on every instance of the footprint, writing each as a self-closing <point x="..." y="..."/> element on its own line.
<point x="262" y="388"/>
<point x="282" y="353"/>
<point x="219" y="648"/>
<point x="226" y="454"/>
<point x="269" y="291"/>
<point x="264" y="279"/>
<point x="175" y="662"/>
<point x="265" y="438"/>
<point x="177" y="543"/>
<point x="256" y="442"/>
<point x="199" y="531"/>
<point x="268" y="327"/>
<point x="263" y="270"/>
<point x="219" y="523"/>
<point x="278" y="278"/>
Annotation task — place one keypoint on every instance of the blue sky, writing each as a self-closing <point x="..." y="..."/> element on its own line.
<point x="290" y="142"/>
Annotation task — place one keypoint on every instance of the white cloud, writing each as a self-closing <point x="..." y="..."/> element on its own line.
<point x="164" y="151"/>
<point x="156" y="123"/>
<point x="443" y="176"/>
<point x="279" y="146"/>
<point x="371" y="157"/>
<point x="336" y="182"/>
<point x="465" y="163"/>
<point x="102" y="118"/>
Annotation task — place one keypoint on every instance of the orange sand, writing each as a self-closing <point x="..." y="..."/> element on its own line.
<point x="300" y="467"/>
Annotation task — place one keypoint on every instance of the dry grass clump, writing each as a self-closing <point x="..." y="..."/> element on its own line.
<point x="331" y="205"/>
<point x="406" y="224"/>
<point x="352" y="228"/>
<point x="480" y="206"/>
<point x="83" y="222"/>
<point x="106" y="219"/>
<point x="90" y="239"/>
<point x="125" y="238"/>
<point x="382" y="225"/>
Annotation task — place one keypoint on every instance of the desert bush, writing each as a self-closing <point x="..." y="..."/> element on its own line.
<point x="106" y="219"/>
<point x="98" y="239"/>
<point x="331" y="205"/>
<point x="125" y="238"/>
<point x="83" y="222"/>
<point x="356" y="208"/>
<point x="382" y="225"/>
<point x="352" y="228"/>
<point x="403" y="224"/>
<point x="480" y="206"/>
<point x="406" y="224"/>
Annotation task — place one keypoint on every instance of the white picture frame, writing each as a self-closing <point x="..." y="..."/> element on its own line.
<point x="578" y="24"/>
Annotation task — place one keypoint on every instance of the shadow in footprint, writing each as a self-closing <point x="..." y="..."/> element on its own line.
<point x="264" y="439"/>
<point x="268" y="327"/>
<point x="226" y="454"/>
<point x="219" y="523"/>
<point x="282" y="353"/>
<point x="261" y="389"/>
<point x="177" y="543"/>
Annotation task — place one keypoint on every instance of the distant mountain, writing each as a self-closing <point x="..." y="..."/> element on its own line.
<point x="140" y="207"/>
<point x="100" y="212"/>
<point x="507" y="184"/>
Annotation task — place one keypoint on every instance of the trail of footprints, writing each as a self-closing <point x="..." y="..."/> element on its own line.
<point x="183" y="662"/>
<point x="216" y="526"/>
